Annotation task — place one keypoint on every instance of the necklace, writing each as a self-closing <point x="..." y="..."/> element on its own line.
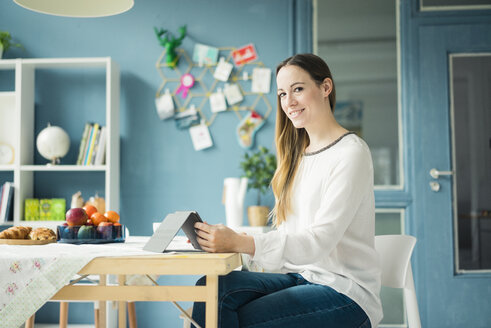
<point x="330" y="145"/>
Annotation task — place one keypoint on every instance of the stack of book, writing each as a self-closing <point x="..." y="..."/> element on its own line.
<point x="93" y="145"/>
<point x="52" y="209"/>
<point x="6" y="202"/>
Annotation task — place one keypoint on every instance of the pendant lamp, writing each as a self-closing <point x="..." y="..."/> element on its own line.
<point x="77" y="8"/>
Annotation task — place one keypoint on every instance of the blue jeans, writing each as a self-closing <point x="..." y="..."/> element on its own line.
<point x="256" y="299"/>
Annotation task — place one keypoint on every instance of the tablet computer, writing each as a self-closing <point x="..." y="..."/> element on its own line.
<point x="169" y="228"/>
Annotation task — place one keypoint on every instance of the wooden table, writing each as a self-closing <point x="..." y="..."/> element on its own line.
<point x="211" y="265"/>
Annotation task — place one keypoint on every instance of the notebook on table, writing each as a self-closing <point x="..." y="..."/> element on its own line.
<point x="168" y="229"/>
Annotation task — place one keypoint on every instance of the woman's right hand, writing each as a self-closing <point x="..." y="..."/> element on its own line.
<point x="221" y="239"/>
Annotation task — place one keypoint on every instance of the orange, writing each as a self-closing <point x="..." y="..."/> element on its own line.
<point x="97" y="218"/>
<point x="112" y="216"/>
<point x="90" y="209"/>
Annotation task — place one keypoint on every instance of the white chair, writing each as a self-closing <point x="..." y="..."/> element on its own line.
<point x="395" y="256"/>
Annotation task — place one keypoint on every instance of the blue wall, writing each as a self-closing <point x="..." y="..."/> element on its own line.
<point x="160" y="171"/>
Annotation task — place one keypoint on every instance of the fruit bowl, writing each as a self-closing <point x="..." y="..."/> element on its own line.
<point x="87" y="234"/>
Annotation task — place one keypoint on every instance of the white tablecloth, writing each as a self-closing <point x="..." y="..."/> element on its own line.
<point x="31" y="275"/>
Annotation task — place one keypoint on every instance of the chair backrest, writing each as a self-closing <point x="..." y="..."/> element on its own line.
<point x="395" y="257"/>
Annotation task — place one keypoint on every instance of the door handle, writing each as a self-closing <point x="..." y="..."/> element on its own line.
<point x="435" y="174"/>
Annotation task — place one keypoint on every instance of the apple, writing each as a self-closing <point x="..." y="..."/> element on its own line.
<point x="68" y="232"/>
<point x="117" y="230"/>
<point x="76" y="217"/>
<point x="105" y="230"/>
<point x="86" y="232"/>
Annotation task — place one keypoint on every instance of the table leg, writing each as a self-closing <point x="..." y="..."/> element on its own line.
<point x="96" y="313"/>
<point x="122" y="304"/>
<point x="30" y="321"/>
<point x="64" y="314"/>
<point x="212" y="301"/>
<point x="132" y="315"/>
<point x="102" y="305"/>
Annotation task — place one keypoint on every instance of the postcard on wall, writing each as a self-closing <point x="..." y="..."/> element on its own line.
<point x="223" y="70"/>
<point x="165" y="105"/>
<point x="205" y="55"/>
<point x="244" y="55"/>
<point x="187" y="118"/>
<point x="261" y="80"/>
<point x="232" y="93"/>
<point x="217" y="101"/>
<point x="200" y="135"/>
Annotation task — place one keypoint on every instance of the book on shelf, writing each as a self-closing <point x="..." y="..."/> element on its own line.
<point x="45" y="209"/>
<point x="58" y="209"/>
<point x="83" y="143"/>
<point x="6" y="202"/>
<point x="90" y="149"/>
<point x="87" y="144"/>
<point x="101" y="148"/>
<point x="31" y="209"/>
<point x="96" y="145"/>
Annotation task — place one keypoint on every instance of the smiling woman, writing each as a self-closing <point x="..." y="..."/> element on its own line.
<point x="324" y="215"/>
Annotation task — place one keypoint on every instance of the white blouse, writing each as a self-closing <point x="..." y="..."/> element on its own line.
<point x="329" y="236"/>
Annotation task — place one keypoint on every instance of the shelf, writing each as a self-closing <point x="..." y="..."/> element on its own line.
<point x="58" y="168"/>
<point x="7" y="168"/>
<point x="36" y="224"/>
<point x="7" y="64"/>
<point x="57" y="62"/>
<point x="18" y="125"/>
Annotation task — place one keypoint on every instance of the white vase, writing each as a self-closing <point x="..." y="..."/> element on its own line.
<point x="233" y="198"/>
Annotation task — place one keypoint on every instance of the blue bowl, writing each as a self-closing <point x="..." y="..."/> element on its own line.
<point x="91" y="234"/>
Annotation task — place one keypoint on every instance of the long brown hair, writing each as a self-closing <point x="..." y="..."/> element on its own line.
<point x="290" y="141"/>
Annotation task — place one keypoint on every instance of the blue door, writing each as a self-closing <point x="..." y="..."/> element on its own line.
<point x="449" y="294"/>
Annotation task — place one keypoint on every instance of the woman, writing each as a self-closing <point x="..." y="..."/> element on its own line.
<point x="323" y="247"/>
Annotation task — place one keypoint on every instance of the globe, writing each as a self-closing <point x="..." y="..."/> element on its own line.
<point x="53" y="143"/>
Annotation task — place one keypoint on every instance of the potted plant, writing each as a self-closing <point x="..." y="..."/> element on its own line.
<point x="6" y="42"/>
<point x="259" y="167"/>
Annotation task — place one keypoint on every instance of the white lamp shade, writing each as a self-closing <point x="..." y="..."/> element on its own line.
<point x="77" y="8"/>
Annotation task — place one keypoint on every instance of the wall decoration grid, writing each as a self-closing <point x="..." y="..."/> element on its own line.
<point x="171" y="77"/>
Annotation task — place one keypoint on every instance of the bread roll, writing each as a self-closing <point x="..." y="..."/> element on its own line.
<point x="18" y="232"/>
<point x="42" y="234"/>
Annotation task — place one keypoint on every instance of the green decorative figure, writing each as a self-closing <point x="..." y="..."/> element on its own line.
<point x="170" y="43"/>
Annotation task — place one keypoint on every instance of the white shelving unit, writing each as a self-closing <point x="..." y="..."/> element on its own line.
<point x="17" y="129"/>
